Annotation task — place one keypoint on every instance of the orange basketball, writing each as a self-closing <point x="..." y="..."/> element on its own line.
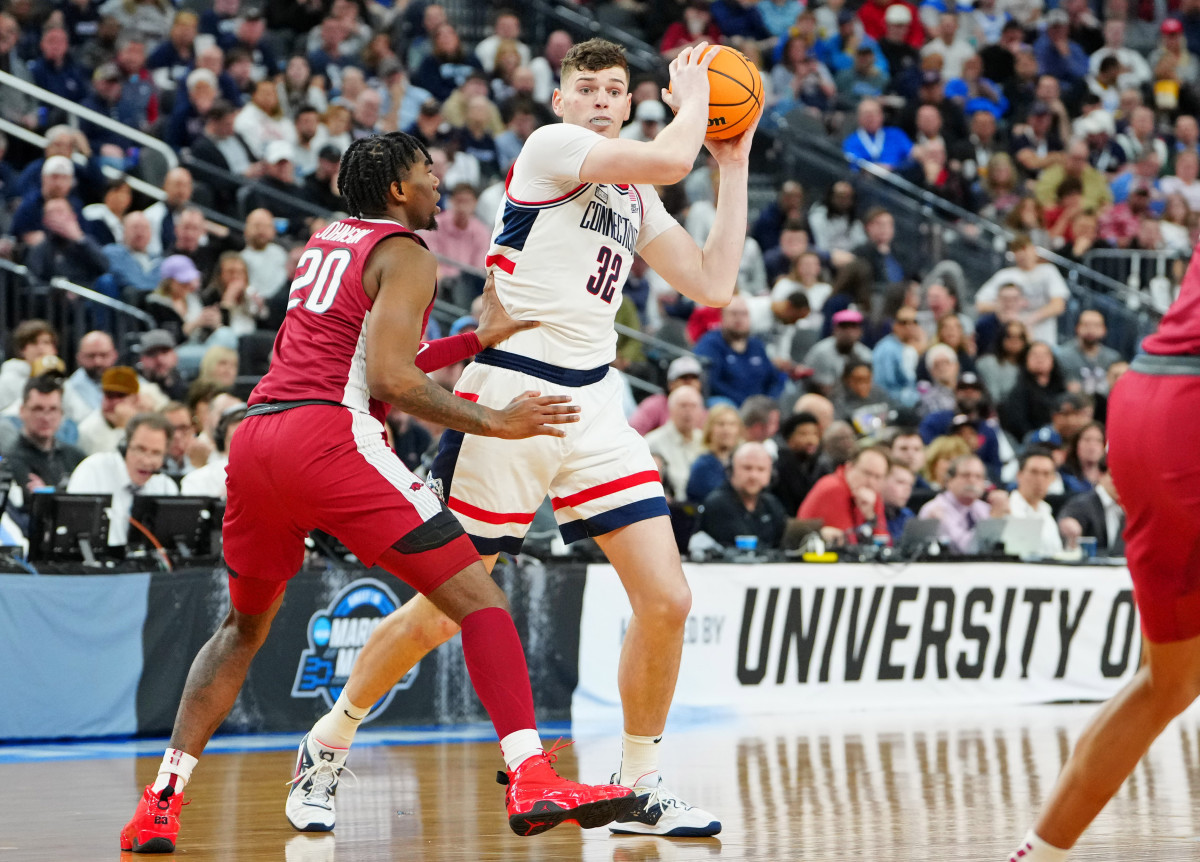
<point x="735" y="94"/>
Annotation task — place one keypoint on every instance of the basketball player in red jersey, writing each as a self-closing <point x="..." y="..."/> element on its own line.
<point x="1154" y="456"/>
<point x="311" y="455"/>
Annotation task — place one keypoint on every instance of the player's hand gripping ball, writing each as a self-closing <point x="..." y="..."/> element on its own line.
<point x="735" y="93"/>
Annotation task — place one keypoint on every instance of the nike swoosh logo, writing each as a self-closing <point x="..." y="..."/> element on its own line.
<point x="421" y="349"/>
<point x="349" y="716"/>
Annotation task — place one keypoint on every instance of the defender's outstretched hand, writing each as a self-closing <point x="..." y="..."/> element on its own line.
<point x="689" y="77"/>
<point x="496" y="324"/>
<point x="531" y="414"/>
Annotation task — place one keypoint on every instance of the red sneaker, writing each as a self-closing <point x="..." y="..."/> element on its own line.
<point x="155" y="824"/>
<point x="539" y="799"/>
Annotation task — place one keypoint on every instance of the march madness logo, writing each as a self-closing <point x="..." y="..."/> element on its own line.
<point x="336" y="636"/>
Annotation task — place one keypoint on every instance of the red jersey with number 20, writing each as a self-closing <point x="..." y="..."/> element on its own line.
<point x="321" y="350"/>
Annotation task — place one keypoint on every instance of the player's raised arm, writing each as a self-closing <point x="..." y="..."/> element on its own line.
<point x="670" y="156"/>
<point x="398" y="269"/>
<point x="709" y="275"/>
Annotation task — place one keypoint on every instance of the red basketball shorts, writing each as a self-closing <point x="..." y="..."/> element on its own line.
<point x="323" y="468"/>
<point x="1154" y="456"/>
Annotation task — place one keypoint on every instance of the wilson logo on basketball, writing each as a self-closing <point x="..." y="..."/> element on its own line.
<point x="716" y="121"/>
<point x="336" y="635"/>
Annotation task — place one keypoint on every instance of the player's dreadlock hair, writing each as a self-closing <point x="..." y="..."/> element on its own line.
<point x="369" y="167"/>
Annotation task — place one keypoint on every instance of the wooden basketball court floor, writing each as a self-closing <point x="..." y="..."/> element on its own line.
<point x="875" y="786"/>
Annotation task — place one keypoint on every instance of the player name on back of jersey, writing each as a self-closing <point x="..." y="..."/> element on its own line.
<point x="341" y="232"/>
<point x="613" y="225"/>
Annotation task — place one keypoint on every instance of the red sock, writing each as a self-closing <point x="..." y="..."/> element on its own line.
<point x="498" y="671"/>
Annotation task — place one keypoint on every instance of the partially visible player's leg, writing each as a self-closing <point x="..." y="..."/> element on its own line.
<point x="647" y="561"/>
<point x="212" y="687"/>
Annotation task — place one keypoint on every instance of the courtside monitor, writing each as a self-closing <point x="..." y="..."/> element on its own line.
<point x="182" y="526"/>
<point x="66" y="528"/>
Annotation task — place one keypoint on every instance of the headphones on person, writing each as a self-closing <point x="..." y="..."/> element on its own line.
<point x="231" y="414"/>
<point x="152" y="420"/>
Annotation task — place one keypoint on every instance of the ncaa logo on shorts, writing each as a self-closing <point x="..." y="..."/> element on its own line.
<point x="336" y="635"/>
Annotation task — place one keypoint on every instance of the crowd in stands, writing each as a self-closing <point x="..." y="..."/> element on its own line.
<point x="848" y="381"/>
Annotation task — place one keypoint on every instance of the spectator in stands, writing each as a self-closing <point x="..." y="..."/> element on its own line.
<point x="743" y="506"/>
<point x="1121" y="223"/>
<point x="760" y="421"/>
<point x="30" y="340"/>
<point x="1085" y="361"/>
<point x="1036" y="473"/>
<point x="798" y="80"/>
<point x="58" y="178"/>
<point x="652" y="411"/>
<point x="265" y="258"/>
<point x="787" y="207"/>
<point x="95" y="354"/>
<point x="896" y="356"/>
<point x="880" y="16"/>
<point x="863" y="78"/>
<point x="102" y="221"/>
<point x="1076" y="164"/>
<point x="66" y="251"/>
<point x="176" y="307"/>
<point x="949" y="44"/>
<point x="897" y="491"/>
<point x="951" y="333"/>
<point x="220" y="365"/>
<point x="849" y="501"/>
<point x="931" y="170"/>
<point x="781" y="258"/>
<point x="505" y="29"/>
<point x="678" y="443"/>
<point x="193" y="102"/>
<point x="1057" y="54"/>
<point x="262" y="120"/>
<point x="890" y="263"/>
<point x="983" y="101"/>
<point x="960" y="508"/>
<point x="834" y="222"/>
<point x="1041" y="283"/>
<point x="38" y="459"/>
<point x="522" y="120"/>
<point x="464" y="239"/>
<point x="1174" y="225"/>
<point x="55" y="70"/>
<point x="1140" y="136"/>
<point x="158" y="363"/>
<point x="15" y="106"/>
<point x="250" y="35"/>
<point x="839" y="442"/>
<point x="178" y="187"/>
<point x="1069" y="413"/>
<point x="448" y="65"/>
<point x="129" y="262"/>
<point x="1185" y="180"/>
<point x="105" y="97"/>
<point x="229" y="290"/>
<point x="176" y="55"/>
<point x="857" y="390"/>
<point x="1040" y="146"/>
<point x="999" y="367"/>
<point x="1039" y="384"/>
<point x="998" y="192"/>
<point x="723" y="433"/>
<point x="939" y="393"/>
<point x="696" y="26"/>
<point x="546" y="67"/>
<point x="827" y="358"/>
<point x="320" y="186"/>
<point x="907" y="448"/>
<point x="939" y="454"/>
<point x="1096" y="513"/>
<point x="742" y="25"/>
<point x="1173" y="48"/>
<point x="971" y="403"/>
<point x="193" y="241"/>
<point x="178" y="463"/>
<point x="886" y="146"/>
<point x="738" y="365"/>
<point x="277" y="191"/>
<point x="101" y="430"/>
<point x="1083" y="465"/>
<point x="222" y="147"/>
<point x="800" y="462"/>
<point x="209" y="479"/>
<point x="805" y="278"/>
<point x="901" y="56"/>
<point x="135" y="470"/>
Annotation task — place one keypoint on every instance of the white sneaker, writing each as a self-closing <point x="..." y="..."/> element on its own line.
<point x="661" y="812"/>
<point x="310" y="805"/>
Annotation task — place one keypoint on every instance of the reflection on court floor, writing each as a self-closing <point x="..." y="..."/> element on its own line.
<point x="867" y="786"/>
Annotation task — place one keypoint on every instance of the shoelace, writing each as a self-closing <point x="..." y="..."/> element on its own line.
<point x="664" y="798"/>
<point x="559" y="745"/>
<point x="324" y="776"/>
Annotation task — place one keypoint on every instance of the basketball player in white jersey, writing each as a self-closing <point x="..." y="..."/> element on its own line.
<point x="579" y="204"/>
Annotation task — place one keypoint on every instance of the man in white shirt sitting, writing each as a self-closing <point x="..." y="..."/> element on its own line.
<point x="1037" y="472"/>
<point x="1046" y="293"/>
<point x="134" y="469"/>
<point x="209" y="480"/>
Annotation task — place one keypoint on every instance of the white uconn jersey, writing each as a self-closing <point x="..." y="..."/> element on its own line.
<point x="561" y="249"/>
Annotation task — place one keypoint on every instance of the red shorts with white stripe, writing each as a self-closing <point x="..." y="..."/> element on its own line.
<point x="600" y="477"/>
<point x="1154" y="456"/>
<point x="324" y="468"/>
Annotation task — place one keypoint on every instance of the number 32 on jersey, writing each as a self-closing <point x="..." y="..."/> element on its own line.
<point x="319" y="273"/>
<point x="604" y="283"/>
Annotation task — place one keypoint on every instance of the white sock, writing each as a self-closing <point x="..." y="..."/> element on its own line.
<point x="639" y="760"/>
<point x="175" y="770"/>
<point x="1034" y="849"/>
<point x="337" y="727"/>
<point x="519" y="746"/>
